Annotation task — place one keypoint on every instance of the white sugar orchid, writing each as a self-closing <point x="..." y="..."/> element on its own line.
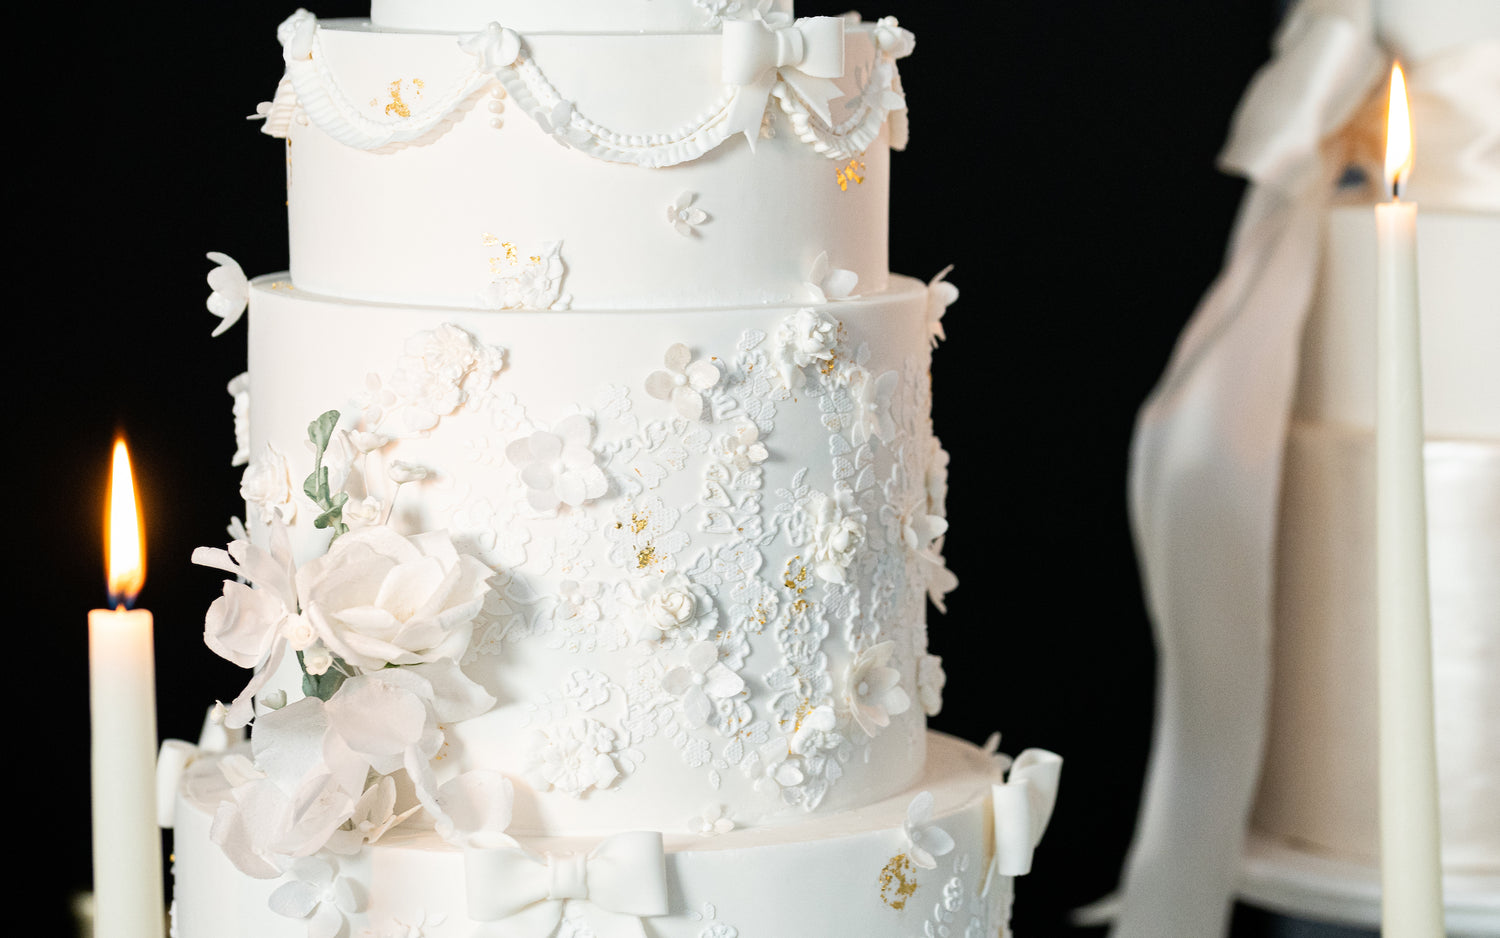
<point x="700" y="681"/>
<point x="374" y="814"/>
<point x="378" y="598"/>
<point x="684" y="381"/>
<point x="940" y="296"/>
<point x="827" y="283"/>
<point x="267" y="485"/>
<point x="925" y="841"/>
<point x="872" y="689"/>
<point x="558" y="466"/>
<point x="315" y="892"/>
<point x="684" y="216"/>
<point x="231" y="291"/>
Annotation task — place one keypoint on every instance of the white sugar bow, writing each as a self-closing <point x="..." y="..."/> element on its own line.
<point x="805" y="55"/>
<point x="619" y="882"/>
<point x="1023" y="806"/>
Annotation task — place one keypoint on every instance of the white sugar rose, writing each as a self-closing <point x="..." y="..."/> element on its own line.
<point x="804" y="338"/>
<point x="378" y="598"/>
<point x="267" y="485"/>
<point x="670" y="608"/>
<point x="838" y="534"/>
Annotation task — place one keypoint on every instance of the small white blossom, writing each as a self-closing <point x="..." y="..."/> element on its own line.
<point x="315" y="892"/>
<point x="403" y="472"/>
<point x="363" y="512"/>
<point x="872" y="689"/>
<point x="231" y="291"/>
<point x="925" y="841"/>
<point x="940" y="296"/>
<point x="892" y="40"/>
<point x="743" y="448"/>
<point x="827" y="283"/>
<point x="772" y="768"/>
<point x="700" y="681"/>
<point x="684" y="216"/>
<point x="713" y="821"/>
<point x="558" y="467"/>
<point x="574" y="757"/>
<point x="684" y="381"/>
<point x="267" y="485"/>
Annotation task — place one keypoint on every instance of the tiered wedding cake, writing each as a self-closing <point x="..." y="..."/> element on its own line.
<point x="593" y="500"/>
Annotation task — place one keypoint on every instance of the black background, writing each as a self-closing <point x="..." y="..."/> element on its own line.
<point x="1062" y="157"/>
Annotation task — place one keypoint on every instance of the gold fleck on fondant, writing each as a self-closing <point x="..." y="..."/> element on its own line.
<point x="638" y="521"/>
<point x="646" y="557"/>
<point x="898" y="881"/>
<point x="854" y="172"/>
<point x="397" y="105"/>
<point x="488" y="240"/>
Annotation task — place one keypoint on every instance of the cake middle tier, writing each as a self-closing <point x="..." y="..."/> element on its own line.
<point x="414" y="176"/>
<point x="710" y="537"/>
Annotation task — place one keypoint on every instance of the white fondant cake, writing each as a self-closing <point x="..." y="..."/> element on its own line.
<point x="593" y="502"/>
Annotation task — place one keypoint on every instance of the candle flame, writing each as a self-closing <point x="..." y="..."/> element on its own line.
<point x="1398" y="148"/>
<point x="124" y="540"/>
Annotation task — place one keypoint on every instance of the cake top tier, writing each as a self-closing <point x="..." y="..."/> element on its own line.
<point x="631" y="16"/>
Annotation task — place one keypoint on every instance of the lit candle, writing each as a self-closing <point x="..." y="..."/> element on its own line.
<point x="122" y="699"/>
<point x="1411" y="865"/>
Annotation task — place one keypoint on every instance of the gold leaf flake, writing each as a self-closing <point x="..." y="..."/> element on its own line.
<point x="897" y="881"/>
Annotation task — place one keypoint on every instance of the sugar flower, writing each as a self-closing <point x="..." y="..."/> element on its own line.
<point x="700" y="681"/>
<point x="743" y="448"/>
<point x="231" y="291"/>
<point x="940" y="296"/>
<point x="574" y="756"/>
<point x="806" y="337"/>
<point x="930" y="681"/>
<point x="683" y="216"/>
<point x="378" y="598"/>
<point x="315" y="892"/>
<point x="239" y="389"/>
<point x="837" y="530"/>
<point x="267" y="486"/>
<point x="683" y="382"/>
<point x="872" y="416"/>
<point x="925" y="841"/>
<point x="872" y="689"/>
<point x="828" y="283"/>
<point x="557" y="465"/>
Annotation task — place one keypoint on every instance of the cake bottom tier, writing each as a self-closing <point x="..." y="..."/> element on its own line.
<point x="881" y="870"/>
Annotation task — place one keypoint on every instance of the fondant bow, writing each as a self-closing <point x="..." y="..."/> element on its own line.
<point x="806" y="55"/>
<point x="1023" y="806"/>
<point x="619" y="882"/>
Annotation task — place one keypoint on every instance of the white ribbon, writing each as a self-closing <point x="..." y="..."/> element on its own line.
<point x="805" y="55"/>
<point x="1206" y="458"/>
<point x="1023" y="806"/>
<point x="619" y="882"/>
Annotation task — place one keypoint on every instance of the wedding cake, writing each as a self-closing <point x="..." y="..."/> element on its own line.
<point x="593" y="503"/>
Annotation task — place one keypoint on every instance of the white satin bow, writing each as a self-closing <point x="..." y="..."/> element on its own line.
<point x="1023" y="806"/>
<point x="618" y="883"/>
<point x="805" y="55"/>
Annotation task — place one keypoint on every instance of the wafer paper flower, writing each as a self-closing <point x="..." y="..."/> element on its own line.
<point x="231" y="291"/>
<point x="557" y="466"/>
<point x="700" y="681"/>
<point x="872" y="689"/>
<point x="378" y="598"/>
<point x="317" y="893"/>
<point x="925" y="840"/>
<point x="683" y="381"/>
<point x="713" y="821"/>
<point x="373" y="815"/>
<point x="772" y="768"/>
<point x="828" y="283"/>
<point x="683" y="216"/>
<point x="940" y="296"/>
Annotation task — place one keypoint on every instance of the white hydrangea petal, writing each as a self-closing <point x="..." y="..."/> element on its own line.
<point x="722" y="682"/>
<point x="697" y="709"/>
<point x="695" y="216"/>
<point x="571" y="489"/>
<point x="660" y="385"/>
<point x="819" y="268"/>
<point x="519" y="451"/>
<point x="689" y="403"/>
<point x="295" y="899"/>
<point x="537" y="475"/>
<point x="896" y="702"/>
<point x="546" y="446"/>
<point x="677" y="358"/>
<point x="576" y="457"/>
<point x="840" y="284"/>
<point x="701" y="656"/>
<point x="684" y="199"/>
<point x="542" y="499"/>
<point x="575" y="430"/>
<point x="326" y="922"/>
<point x="677" y="681"/>
<point x="920" y="810"/>
<point x="595" y="482"/>
<point x="703" y="374"/>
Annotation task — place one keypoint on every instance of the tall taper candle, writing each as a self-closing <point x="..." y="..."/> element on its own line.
<point x="122" y="706"/>
<point x="1410" y="857"/>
